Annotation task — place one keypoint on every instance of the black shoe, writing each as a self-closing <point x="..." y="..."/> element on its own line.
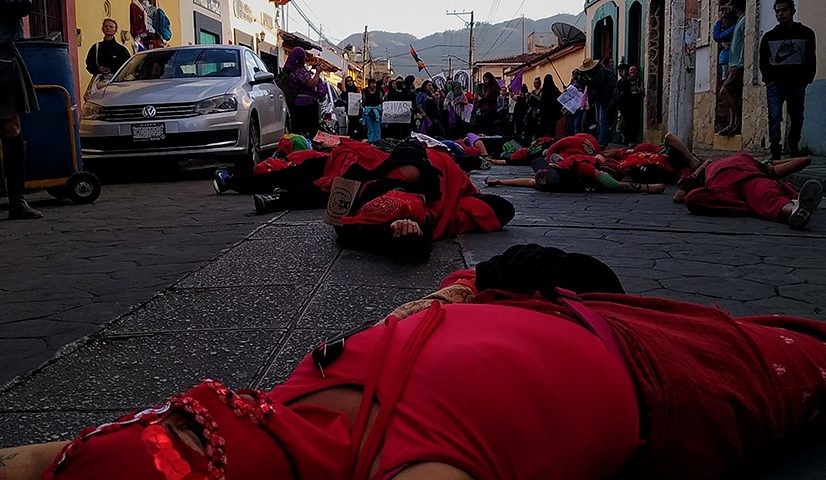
<point x="806" y="204"/>
<point x="20" y="210"/>
<point x="270" y="203"/>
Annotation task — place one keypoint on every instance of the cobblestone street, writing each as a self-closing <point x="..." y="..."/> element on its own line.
<point x="172" y="284"/>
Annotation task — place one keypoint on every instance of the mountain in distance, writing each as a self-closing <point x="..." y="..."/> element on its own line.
<point x="491" y="40"/>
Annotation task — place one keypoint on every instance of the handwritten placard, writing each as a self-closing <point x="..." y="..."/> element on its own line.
<point x="571" y="99"/>
<point x="396" y="112"/>
<point x="353" y="104"/>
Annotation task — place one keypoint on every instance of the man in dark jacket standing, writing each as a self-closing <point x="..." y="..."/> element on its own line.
<point x="106" y="56"/>
<point x="16" y="97"/>
<point x="788" y="63"/>
<point x="602" y="86"/>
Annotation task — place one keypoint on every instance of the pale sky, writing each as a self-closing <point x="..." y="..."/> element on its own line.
<point x="340" y="18"/>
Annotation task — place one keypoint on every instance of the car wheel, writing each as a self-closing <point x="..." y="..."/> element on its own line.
<point x="250" y="159"/>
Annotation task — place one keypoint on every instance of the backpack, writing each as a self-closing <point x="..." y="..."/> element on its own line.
<point x="163" y="26"/>
<point x="283" y="82"/>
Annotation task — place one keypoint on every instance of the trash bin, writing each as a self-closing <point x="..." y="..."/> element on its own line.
<point x="52" y="133"/>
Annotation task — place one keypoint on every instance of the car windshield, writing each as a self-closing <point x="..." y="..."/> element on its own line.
<point x="181" y="63"/>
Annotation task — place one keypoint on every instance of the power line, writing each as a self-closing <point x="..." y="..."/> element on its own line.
<point x="493" y="45"/>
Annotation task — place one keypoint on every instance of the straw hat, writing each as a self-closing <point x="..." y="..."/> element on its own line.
<point x="588" y="64"/>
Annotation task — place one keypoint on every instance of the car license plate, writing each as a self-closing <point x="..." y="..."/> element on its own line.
<point x="148" y="132"/>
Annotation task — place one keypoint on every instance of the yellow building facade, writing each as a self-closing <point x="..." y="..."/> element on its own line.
<point x="89" y="17"/>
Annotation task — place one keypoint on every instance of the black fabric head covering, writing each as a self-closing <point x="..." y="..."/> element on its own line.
<point x="408" y="153"/>
<point x="502" y="208"/>
<point x="409" y="81"/>
<point x="526" y="268"/>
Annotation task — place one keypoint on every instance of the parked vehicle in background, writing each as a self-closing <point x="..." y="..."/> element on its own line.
<point x="333" y="112"/>
<point x="178" y="103"/>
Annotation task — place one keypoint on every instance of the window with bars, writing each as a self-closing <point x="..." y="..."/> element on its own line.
<point x="46" y="17"/>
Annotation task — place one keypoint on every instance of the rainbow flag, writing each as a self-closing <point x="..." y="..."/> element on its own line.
<point x="419" y="62"/>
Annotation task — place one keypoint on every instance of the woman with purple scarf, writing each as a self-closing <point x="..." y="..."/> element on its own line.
<point x="302" y="94"/>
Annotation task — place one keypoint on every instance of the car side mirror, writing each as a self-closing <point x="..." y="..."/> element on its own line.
<point x="340" y="103"/>
<point x="262" y="77"/>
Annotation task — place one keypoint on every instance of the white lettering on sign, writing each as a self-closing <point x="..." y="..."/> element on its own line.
<point x="243" y="11"/>
<point x="396" y="112"/>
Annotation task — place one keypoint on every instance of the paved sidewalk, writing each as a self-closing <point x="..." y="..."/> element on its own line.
<point x="249" y="314"/>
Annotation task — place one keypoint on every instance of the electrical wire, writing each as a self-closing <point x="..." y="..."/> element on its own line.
<point x="494" y="44"/>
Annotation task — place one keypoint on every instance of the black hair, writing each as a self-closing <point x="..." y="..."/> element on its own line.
<point x="789" y="3"/>
<point x="502" y="208"/>
<point x="526" y="268"/>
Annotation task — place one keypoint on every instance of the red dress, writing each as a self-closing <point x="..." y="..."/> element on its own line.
<point x="737" y="186"/>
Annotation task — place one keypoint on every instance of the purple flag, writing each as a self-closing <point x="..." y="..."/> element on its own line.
<point x="516" y="83"/>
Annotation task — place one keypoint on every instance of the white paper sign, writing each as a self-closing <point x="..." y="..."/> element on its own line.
<point x="353" y="104"/>
<point x="571" y="99"/>
<point x="396" y="112"/>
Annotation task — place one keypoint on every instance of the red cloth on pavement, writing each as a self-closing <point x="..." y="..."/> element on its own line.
<point x="347" y="154"/>
<point x="581" y="143"/>
<point x="716" y="392"/>
<point x="457" y="211"/>
<point x="391" y="206"/>
<point x="736" y="186"/>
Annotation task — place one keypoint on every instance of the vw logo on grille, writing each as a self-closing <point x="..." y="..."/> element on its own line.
<point x="149" y="111"/>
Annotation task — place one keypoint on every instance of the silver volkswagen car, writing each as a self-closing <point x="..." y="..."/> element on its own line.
<point x="197" y="101"/>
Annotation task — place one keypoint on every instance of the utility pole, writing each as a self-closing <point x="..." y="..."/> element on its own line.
<point x="364" y="60"/>
<point x="523" y="34"/>
<point x="450" y="67"/>
<point x="470" y="46"/>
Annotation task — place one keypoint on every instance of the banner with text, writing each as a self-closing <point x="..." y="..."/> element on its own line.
<point x="396" y="112"/>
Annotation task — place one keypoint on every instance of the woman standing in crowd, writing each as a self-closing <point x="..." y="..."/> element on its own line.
<point x="488" y="104"/>
<point x="631" y="92"/>
<point x="519" y="112"/>
<point x="354" y="129"/>
<point x="550" y="110"/>
<point x="428" y="105"/>
<point x="723" y="34"/>
<point x="302" y="94"/>
<point x="371" y="100"/>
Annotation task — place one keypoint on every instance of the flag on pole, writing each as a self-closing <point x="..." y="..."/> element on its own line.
<point x="419" y="62"/>
<point x="516" y="83"/>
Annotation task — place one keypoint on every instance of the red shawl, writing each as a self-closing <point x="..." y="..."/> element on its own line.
<point x="347" y="154"/>
<point x="458" y="211"/>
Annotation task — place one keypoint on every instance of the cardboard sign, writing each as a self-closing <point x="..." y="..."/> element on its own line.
<point x="327" y="139"/>
<point x="396" y="112"/>
<point x="571" y="99"/>
<point x="342" y="196"/>
<point x="353" y="104"/>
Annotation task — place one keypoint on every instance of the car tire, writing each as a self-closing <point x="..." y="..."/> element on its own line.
<point x="250" y="159"/>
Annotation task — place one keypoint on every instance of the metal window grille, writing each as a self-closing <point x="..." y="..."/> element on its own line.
<point x="46" y="17"/>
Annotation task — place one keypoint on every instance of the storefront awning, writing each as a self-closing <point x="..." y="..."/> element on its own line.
<point x="291" y="40"/>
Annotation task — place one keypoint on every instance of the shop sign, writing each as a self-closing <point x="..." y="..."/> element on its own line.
<point x="213" y="6"/>
<point x="267" y="21"/>
<point x="243" y="11"/>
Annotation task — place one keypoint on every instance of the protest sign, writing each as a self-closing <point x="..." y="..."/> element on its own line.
<point x="353" y="104"/>
<point x="396" y="112"/>
<point x="571" y="99"/>
<point x="342" y="195"/>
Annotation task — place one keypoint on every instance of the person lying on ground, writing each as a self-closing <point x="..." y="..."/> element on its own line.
<point x="739" y="185"/>
<point x="436" y="200"/>
<point x="521" y="380"/>
<point x="665" y="163"/>
<point x="576" y="174"/>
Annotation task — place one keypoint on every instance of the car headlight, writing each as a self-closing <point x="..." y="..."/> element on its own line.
<point x="223" y="103"/>
<point x="91" y="111"/>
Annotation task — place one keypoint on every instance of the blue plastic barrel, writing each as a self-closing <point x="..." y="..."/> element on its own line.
<point x="48" y="134"/>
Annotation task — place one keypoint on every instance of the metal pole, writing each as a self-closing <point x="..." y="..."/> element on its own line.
<point x="523" y="34"/>
<point x="364" y="60"/>
<point x="470" y="54"/>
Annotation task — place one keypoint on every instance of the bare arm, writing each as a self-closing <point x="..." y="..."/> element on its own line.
<point x="28" y="462"/>
<point x="313" y="82"/>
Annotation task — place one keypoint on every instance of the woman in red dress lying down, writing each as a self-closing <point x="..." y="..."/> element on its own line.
<point x="503" y="374"/>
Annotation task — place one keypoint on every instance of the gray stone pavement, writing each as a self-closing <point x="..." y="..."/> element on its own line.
<point x="247" y="314"/>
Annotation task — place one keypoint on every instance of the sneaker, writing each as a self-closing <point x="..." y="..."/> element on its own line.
<point x="220" y="181"/>
<point x="806" y="204"/>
